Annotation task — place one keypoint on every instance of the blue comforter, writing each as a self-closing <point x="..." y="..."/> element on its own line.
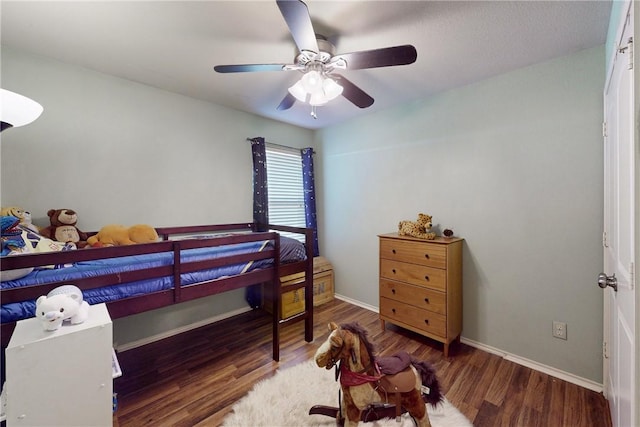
<point x="291" y="250"/>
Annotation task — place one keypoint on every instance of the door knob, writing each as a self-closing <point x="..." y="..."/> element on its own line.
<point x="604" y="281"/>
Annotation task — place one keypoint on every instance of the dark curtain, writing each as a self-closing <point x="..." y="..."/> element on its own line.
<point x="260" y="193"/>
<point x="253" y="294"/>
<point x="308" y="183"/>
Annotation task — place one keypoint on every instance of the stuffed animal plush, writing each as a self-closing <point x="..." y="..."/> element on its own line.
<point x="22" y="215"/>
<point x="142" y="233"/>
<point x="119" y="235"/>
<point x="13" y="244"/>
<point x="11" y="235"/>
<point x="63" y="303"/>
<point x="63" y="227"/>
<point x="18" y="239"/>
<point x="420" y="229"/>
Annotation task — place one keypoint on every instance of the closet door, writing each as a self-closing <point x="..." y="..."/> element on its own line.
<point x="617" y="279"/>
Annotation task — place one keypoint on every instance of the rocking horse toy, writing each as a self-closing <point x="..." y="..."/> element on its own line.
<point x="374" y="387"/>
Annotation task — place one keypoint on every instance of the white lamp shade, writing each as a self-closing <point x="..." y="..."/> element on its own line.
<point x="317" y="99"/>
<point x="17" y="110"/>
<point x="312" y="81"/>
<point x="331" y="89"/>
<point x="297" y="90"/>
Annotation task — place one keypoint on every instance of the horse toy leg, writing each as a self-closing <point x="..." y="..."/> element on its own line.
<point x="330" y="411"/>
<point x="372" y="413"/>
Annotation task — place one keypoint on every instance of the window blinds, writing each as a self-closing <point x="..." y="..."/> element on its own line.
<point x="285" y="187"/>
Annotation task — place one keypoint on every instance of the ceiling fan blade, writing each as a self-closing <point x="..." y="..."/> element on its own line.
<point x="353" y="93"/>
<point x="248" y="68"/>
<point x="296" y="15"/>
<point x="287" y="102"/>
<point x="385" y="57"/>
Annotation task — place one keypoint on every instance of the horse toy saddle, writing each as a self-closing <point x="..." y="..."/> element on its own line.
<point x="397" y="374"/>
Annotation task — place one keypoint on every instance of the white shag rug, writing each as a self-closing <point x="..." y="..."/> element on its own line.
<point x="285" y="399"/>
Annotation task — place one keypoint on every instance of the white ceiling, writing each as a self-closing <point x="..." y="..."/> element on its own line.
<point x="174" y="45"/>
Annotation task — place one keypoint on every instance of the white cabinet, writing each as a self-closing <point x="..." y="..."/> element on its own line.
<point x="63" y="377"/>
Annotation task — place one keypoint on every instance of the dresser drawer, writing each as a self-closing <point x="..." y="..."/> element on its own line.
<point x="414" y="274"/>
<point x="423" y="298"/>
<point x="429" y="254"/>
<point x="427" y="321"/>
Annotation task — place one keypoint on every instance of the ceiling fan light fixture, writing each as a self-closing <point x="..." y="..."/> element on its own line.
<point x="315" y="89"/>
<point x="330" y="90"/>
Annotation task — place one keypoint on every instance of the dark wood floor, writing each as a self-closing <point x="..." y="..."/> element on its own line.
<point x="195" y="378"/>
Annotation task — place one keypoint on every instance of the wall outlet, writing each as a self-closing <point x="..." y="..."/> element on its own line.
<point x="560" y="330"/>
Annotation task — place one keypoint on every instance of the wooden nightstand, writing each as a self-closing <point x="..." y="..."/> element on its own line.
<point x="421" y="285"/>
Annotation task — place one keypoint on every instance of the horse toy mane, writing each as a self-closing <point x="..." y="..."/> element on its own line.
<point x="362" y="333"/>
<point x="375" y="387"/>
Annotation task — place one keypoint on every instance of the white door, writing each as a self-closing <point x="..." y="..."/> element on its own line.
<point x="619" y="238"/>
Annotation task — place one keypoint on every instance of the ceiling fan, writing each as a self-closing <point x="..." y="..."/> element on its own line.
<point x="319" y="64"/>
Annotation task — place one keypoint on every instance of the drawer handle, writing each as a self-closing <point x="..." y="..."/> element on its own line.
<point x="393" y="251"/>
<point x="426" y="300"/>
<point x="426" y="256"/>
<point x="426" y="321"/>
<point x="393" y="310"/>
<point x="393" y="291"/>
<point x="426" y="278"/>
<point x="393" y="271"/>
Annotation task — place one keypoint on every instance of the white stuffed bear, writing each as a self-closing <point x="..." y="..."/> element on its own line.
<point x="63" y="303"/>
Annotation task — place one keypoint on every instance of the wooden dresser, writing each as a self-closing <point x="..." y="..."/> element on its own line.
<point x="421" y="285"/>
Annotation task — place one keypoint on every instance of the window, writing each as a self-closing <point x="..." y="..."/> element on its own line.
<point x="285" y="187"/>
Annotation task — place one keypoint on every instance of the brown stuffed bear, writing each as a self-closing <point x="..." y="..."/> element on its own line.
<point x="63" y="227"/>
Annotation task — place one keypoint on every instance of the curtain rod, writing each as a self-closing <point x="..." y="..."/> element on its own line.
<point x="279" y="145"/>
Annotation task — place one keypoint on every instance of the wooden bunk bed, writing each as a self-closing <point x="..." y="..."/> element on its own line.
<point x="183" y="275"/>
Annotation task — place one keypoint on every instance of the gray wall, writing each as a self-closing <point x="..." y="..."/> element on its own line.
<point x="121" y="152"/>
<point x="512" y="164"/>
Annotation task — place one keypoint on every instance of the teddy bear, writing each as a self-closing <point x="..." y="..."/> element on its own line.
<point x="63" y="227"/>
<point x="420" y="228"/>
<point x="23" y="215"/>
<point x="62" y="303"/>
<point x="119" y="235"/>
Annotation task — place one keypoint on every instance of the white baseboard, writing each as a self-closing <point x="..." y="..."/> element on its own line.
<point x="358" y="303"/>
<point x="549" y="370"/>
<point x="556" y="373"/>
<point x="148" y="340"/>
